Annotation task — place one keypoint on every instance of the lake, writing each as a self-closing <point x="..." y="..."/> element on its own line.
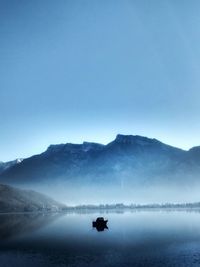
<point x="133" y="238"/>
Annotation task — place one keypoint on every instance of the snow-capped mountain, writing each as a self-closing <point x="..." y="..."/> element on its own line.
<point x="6" y="165"/>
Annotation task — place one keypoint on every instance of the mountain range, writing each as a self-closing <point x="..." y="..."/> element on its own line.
<point x="128" y="162"/>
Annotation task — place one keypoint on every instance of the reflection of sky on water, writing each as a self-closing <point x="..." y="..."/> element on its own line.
<point x="131" y="237"/>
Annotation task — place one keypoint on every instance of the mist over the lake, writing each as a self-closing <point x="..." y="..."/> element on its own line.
<point x="130" y="169"/>
<point x="99" y="133"/>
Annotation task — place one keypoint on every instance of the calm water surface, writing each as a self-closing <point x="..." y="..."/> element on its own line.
<point x="134" y="238"/>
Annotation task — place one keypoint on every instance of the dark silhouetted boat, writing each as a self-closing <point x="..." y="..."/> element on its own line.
<point x="100" y="224"/>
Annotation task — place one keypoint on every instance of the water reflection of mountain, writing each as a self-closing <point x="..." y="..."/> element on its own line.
<point x="12" y="225"/>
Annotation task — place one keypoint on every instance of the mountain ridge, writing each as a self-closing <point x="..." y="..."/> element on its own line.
<point x="122" y="144"/>
<point x="119" y="139"/>
<point x="127" y="162"/>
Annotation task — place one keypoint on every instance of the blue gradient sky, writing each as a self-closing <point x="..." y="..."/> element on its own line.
<point x="87" y="70"/>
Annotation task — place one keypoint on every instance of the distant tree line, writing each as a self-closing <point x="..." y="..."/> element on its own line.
<point x="120" y="206"/>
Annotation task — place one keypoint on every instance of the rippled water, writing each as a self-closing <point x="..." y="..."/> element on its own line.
<point x="134" y="238"/>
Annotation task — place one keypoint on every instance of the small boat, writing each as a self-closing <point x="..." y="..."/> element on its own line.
<point x="100" y="224"/>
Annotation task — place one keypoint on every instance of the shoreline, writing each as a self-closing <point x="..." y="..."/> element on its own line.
<point x="85" y="209"/>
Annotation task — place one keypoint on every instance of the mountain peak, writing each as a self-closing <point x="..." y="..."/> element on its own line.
<point x="134" y="139"/>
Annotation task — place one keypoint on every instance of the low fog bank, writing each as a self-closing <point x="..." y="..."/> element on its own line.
<point x="78" y="194"/>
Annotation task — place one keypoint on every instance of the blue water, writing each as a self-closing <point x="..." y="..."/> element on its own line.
<point x="133" y="238"/>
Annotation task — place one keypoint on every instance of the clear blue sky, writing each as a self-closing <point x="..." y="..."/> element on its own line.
<point x="74" y="70"/>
